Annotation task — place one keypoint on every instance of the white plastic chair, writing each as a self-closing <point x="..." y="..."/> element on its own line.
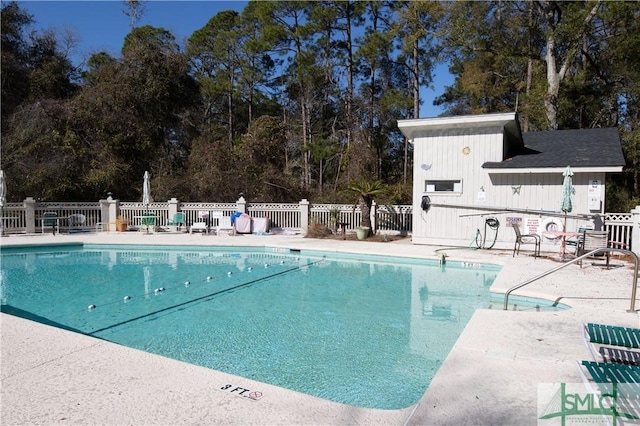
<point x="77" y="220"/>
<point x="203" y="225"/>
<point x="223" y="223"/>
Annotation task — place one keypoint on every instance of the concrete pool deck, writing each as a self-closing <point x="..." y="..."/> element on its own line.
<point x="491" y="376"/>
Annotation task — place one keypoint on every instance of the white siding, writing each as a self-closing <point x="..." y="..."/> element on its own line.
<point x="443" y="151"/>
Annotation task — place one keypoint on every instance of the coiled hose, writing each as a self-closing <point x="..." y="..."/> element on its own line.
<point x="481" y="239"/>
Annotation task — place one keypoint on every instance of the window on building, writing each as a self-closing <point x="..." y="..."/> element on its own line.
<point x="452" y="186"/>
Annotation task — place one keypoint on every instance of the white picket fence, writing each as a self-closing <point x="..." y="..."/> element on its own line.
<point x="26" y="217"/>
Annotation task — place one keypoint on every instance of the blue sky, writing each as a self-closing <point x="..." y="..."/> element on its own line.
<point x="102" y="25"/>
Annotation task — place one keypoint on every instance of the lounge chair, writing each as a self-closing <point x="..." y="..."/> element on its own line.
<point x="76" y="220"/>
<point x="76" y="223"/>
<point x="148" y="223"/>
<point x="600" y="338"/>
<point x="223" y="223"/>
<point x="620" y="380"/>
<point x="525" y="239"/>
<point x="620" y="356"/>
<point x="202" y="225"/>
<point x="178" y="221"/>
<point x="592" y="240"/>
<point x="50" y="221"/>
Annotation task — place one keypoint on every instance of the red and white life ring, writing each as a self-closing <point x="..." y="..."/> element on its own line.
<point x="551" y="224"/>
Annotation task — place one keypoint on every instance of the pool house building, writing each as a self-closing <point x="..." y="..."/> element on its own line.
<point x="476" y="176"/>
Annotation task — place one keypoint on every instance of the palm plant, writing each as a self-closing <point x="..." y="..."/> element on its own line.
<point x="365" y="191"/>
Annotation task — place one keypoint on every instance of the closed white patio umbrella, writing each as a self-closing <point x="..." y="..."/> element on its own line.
<point x="146" y="193"/>
<point x="567" y="191"/>
<point x="566" y="205"/>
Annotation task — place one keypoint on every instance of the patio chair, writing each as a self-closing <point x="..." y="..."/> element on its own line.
<point x="50" y="221"/>
<point x="202" y="225"/>
<point x="610" y="343"/>
<point x="147" y="223"/>
<point x="223" y="223"/>
<point x="77" y="220"/>
<point x="592" y="240"/>
<point x="178" y="221"/>
<point x="620" y="380"/>
<point x="525" y="239"/>
<point x="575" y="241"/>
<point x="620" y="356"/>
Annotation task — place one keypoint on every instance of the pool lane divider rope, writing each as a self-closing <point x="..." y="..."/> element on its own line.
<point x="215" y="293"/>
<point x="157" y="291"/>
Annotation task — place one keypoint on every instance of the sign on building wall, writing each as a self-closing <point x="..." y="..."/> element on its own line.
<point x="532" y="225"/>
<point x="482" y="197"/>
<point x="514" y="221"/>
<point x="595" y="194"/>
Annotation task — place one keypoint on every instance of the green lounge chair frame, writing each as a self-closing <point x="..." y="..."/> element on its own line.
<point x="600" y="337"/>
<point x="178" y="221"/>
<point x="604" y="374"/>
<point x="613" y="335"/>
<point x="148" y="223"/>
<point x="618" y="381"/>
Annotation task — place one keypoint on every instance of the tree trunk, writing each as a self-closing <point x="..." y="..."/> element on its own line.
<point x="555" y="75"/>
<point x="525" y="121"/>
<point x="553" y="84"/>
<point x="365" y="210"/>
<point x="230" y="110"/>
<point x="349" y="77"/>
<point x="416" y="108"/>
<point x="416" y="81"/>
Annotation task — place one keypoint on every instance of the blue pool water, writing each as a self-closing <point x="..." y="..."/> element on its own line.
<point x="362" y="330"/>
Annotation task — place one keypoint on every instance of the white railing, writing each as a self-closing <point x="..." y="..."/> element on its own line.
<point x="332" y="214"/>
<point x="26" y="217"/>
<point x="133" y="212"/>
<point x="286" y="216"/>
<point x="14" y="217"/>
<point x="90" y="211"/>
<point x="620" y="227"/>
<point x="395" y="218"/>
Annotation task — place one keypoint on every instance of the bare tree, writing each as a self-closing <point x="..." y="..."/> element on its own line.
<point x="134" y="9"/>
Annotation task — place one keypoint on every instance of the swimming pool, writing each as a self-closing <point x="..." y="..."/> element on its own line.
<point x="369" y="331"/>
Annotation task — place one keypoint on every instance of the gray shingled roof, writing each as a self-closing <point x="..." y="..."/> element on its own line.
<point x="559" y="148"/>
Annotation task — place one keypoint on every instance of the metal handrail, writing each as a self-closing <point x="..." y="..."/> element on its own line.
<point x="564" y="265"/>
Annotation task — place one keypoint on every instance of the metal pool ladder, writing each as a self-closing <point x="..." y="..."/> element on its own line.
<point x="564" y="265"/>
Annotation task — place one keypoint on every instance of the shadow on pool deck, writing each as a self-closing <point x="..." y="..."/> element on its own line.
<point x="490" y="377"/>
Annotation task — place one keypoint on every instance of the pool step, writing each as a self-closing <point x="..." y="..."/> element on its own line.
<point x="522" y="307"/>
<point x="528" y="307"/>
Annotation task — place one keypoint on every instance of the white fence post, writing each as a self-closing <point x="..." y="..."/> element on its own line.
<point x="173" y="207"/>
<point x="103" y="220"/>
<point x="304" y="216"/>
<point x="30" y="215"/>
<point x="113" y="209"/>
<point x="242" y="205"/>
<point x="635" y="230"/>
